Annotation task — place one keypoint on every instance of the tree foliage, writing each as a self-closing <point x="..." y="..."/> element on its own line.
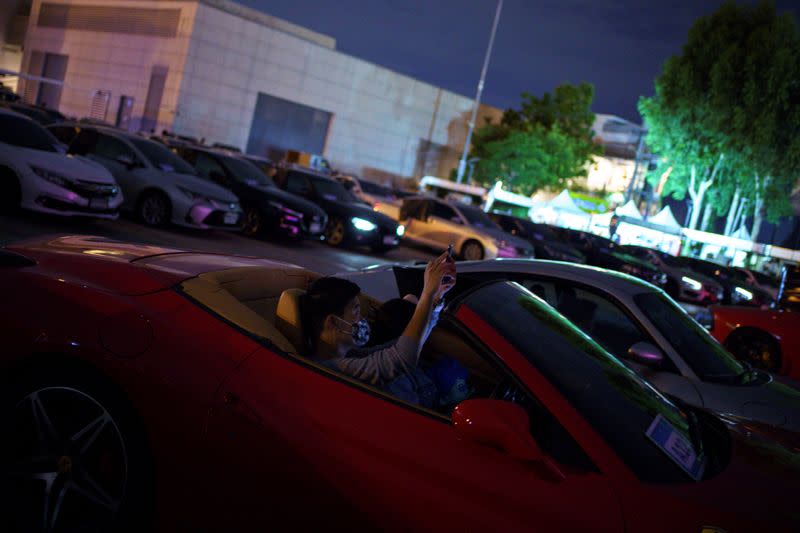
<point x="731" y="99"/>
<point x="545" y="142"/>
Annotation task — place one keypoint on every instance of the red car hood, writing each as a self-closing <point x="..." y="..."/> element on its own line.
<point x="124" y="268"/>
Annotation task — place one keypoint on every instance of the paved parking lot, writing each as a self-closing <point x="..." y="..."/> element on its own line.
<point x="313" y="255"/>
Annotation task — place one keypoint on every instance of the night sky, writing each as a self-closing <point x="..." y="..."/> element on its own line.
<point x="618" y="45"/>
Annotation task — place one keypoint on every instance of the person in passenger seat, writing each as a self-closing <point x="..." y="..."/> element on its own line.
<point x="338" y="332"/>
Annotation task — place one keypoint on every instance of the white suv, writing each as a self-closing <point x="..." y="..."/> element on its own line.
<point x="36" y="174"/>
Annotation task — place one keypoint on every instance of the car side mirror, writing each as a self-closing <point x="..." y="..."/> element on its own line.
<point x="126" y="160"/>
<point x="646" y="354"/>
<point x="501" y="425"/>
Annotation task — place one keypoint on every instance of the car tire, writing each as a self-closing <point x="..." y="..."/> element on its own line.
<point x="154" y="209"/>
<point x="91" y="453"/>
<point x="756" y="347"/>
<point x="472" y="251"/>
<point x="253" y="222"/>
<point x="335" y="232"/>
<point x="10" y="191"/>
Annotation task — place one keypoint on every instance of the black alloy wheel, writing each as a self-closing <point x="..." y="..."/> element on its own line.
<point x="73" y="458"/>
<point x="335" y="231"/>
<point x="154" y="209"/>
<point x="253" y="222"/>
<point x="758" y="348"/>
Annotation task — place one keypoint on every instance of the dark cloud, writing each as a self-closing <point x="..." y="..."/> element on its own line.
<point x="618" y="45"/>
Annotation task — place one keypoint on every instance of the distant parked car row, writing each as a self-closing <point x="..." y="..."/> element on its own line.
<point x="87" y="168"/>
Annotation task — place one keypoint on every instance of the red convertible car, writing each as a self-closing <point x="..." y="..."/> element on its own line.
<point x="146" y="388"/>
<point x="766" y="338"/>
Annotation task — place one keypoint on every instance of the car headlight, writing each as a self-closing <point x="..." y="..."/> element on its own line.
<point x="743" y="294"/>
<point x="401" y="230"/>
<point x="193" y="195"/>
<point x="52" y="177"/>
<point x="691" y="283"/>
<point x="363" y="224"/>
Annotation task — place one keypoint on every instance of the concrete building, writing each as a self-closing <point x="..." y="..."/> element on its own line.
<point x="216" y="70"/>
<point x="613" y="171"/>
<point x="13" y="22"/>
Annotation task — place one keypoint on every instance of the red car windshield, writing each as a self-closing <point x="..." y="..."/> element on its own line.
<point x="611" y="397"/>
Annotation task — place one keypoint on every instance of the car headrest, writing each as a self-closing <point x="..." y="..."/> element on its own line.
<point x="289" y="318"/>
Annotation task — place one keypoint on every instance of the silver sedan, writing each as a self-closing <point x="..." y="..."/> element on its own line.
<point x="634" y="321"/>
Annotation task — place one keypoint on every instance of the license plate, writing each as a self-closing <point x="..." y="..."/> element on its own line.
<point x="230" y="218"/>
<point x="98" y="203"/>
<point x="315" y="227"/>
<point x="388" y="239"/>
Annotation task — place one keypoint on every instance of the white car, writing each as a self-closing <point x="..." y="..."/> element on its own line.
<point x="36" y="174"/>
<point x="634" y="321"/>
<point x="436" y="224"/>
<point x="159" y="186"/>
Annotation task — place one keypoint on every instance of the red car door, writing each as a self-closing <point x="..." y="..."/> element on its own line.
<point x="293" y="444"/>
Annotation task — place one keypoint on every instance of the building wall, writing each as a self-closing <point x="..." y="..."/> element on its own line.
<point x="381" y="119"/>
<point x="384" y="125"/>
<point x="117" y="62"/>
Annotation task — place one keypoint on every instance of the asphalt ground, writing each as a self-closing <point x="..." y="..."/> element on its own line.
<point x="313" y="255"/>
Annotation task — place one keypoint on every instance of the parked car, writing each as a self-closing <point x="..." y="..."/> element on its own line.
<point x="42" y="115"/>
<point x="267" y="209"/>
<point x="436" y="224"/>
<point x="159" y="186"/>
<point x="605" y="253"/>
<point x="176" y="357"/>
<point x="36" y="174"/>
<point x="371" y="193"/>
<point x="350" y="222"/>
<point x="634" y="321"/>
<point x="758" y="280"/>
<point x="683" y="284"/>
<point x="767" y="338"/>
<point x="736" y="290"/>
<point x="544" y="239"/>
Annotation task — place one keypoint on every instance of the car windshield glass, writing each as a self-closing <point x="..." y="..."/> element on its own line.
<point x="161" y="157"/>
<point x="476" y="217"/>
<point x="22" y="132"/>
<point x="246" y="172"/>
<point x="707" y="358"/>
<point x="545" y="231"/>
<point x="332" y="190"/>
<point x="374" y="189"/>
<point x="619" y="404"/>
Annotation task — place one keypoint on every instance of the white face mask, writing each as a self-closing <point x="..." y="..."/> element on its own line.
<point x="358" y="330"/>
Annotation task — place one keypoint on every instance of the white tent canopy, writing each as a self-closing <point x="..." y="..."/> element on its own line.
<point x="629" y="210"/>
<point x="564" y="203"/>
<point x="665" y="218"/>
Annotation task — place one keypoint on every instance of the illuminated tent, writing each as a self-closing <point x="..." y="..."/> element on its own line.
<point x="566" y="213"/>
<point x="629" y="210"/>
<point x="665" y="218"/>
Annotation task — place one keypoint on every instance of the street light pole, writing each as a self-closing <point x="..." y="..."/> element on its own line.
<point x="462" y="164"/>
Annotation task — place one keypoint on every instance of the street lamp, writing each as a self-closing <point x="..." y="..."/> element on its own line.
<point x="462" y="164"/>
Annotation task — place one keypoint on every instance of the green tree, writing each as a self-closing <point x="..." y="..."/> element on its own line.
<point x="544" y="143"/>
<point x="726" y="113"/>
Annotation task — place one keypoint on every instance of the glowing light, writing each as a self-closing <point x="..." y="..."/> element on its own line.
<point x="744" y="293"/>
<point x="401" y="230"/>
<point x="363" y="224"/>
<point x="692" y="283"/>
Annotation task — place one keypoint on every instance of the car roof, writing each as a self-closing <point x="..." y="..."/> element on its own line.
<point x="616" y="282"/>
<point x="9" y="111"/>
